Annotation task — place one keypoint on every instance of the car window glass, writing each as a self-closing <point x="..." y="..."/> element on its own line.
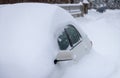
<point x="69" y="37"/>
<point x="73" y="34"/>
<point x="63" y="41"/>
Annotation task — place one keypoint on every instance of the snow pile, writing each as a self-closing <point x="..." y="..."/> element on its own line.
<point x="28" y="44"/>
<point x="27" y="47"/>
<point x="25" y="28"/>
<point x="103" y="61"/>
<point x="22" y="34"/>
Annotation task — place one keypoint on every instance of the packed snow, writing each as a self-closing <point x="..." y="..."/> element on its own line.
<point x="28" y="60"/>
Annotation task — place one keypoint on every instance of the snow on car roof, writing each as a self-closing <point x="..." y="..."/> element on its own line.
<point x="26" y="45"/>
<point x="33" y="15"/>
<point x="27" y="14"/>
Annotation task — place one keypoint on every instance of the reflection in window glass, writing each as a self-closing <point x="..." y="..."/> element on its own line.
<point x="63" y="41"/>
<point x="73" y="34"/>
<point x="69" y="37"/>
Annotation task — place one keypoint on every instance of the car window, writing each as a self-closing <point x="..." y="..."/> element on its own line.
<point x="63" y="41"/>
<point x="73" y="34"/>
<point x="69" y="37"/>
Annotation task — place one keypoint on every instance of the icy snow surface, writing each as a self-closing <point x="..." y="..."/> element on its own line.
<point x="104" y="59"/>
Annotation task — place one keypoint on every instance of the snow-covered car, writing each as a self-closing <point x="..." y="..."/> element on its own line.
<point x="34" y="36"/>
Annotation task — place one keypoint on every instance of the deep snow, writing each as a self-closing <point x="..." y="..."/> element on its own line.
<point x="103" y="61"/>
<point x="27" y="45"/>
<point x="28" y="39"/>
<point x="21" y="36"/>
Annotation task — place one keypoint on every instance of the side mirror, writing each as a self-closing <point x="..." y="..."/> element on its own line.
<point x="63" y="56"/>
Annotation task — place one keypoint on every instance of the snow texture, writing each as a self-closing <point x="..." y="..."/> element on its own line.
<point x="85" y="1"/>
<point x="103" y="61"/>
<point x="21" y="55"/>
<point x="27" y="45"/>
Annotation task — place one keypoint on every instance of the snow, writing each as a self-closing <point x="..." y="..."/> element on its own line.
<point x="22" y="33"/>
<point x="80" y="3"/>
<point x="21" y="38"/>
<point x="27" y="45"/>
<point x="85" y="1"/>
<point x="103" y="61"/>
<point x="63" y="5"/>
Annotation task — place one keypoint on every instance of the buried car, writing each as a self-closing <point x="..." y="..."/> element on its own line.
<point x="34" y="36"/>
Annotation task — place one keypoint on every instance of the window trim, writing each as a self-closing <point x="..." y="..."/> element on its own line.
<point x="76" y="44"/>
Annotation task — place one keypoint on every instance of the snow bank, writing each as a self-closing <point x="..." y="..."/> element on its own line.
<point x="103" y="61"/>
